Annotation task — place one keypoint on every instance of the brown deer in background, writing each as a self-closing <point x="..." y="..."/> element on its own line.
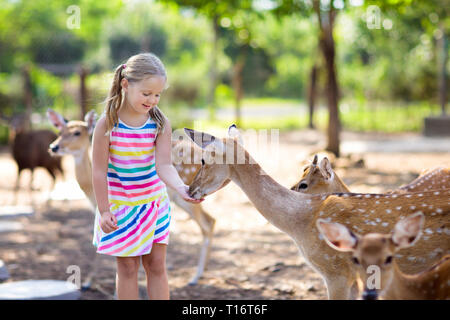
<point x="29" y="149"/>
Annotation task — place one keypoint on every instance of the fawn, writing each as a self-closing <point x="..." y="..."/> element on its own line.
<point x="376" y="252"/>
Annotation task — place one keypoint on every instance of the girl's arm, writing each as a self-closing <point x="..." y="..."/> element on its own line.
<point x="164" y="167"/>
<point x="100" y="155"/>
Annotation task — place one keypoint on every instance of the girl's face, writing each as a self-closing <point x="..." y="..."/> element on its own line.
<point x="144" y="95"/>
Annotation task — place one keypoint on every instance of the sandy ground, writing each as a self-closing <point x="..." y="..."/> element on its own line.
<point x="250" y="259"/>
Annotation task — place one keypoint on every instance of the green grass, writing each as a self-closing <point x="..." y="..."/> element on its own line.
<point x="387" y="118"/>
<point x="384" y="117"/>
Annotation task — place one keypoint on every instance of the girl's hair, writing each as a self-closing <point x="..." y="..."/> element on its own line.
<point x="137" y="68"/>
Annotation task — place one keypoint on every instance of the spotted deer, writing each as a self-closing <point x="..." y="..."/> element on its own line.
<point x="296" y="213"/>
<point x="322" y="179"/>
<point x="74" y="139"/>
<point x="374" y="256"/>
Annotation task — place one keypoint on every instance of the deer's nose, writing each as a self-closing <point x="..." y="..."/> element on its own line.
<point x="370" y="294"/>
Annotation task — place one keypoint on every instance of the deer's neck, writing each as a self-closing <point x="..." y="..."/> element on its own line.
<point x="282" y="207"/>
<point x="403" y="286"/>
<point x="339" y="185"/>
<point x="83" y="173"/>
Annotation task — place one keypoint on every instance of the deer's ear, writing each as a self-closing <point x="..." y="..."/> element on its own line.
<point x="204" y="140"/>
<point x="337" y="236"/>
<point x="325" y="169"/>
<point x="407" y="231"/>
<point x="56" y="119"/>
<point x="234" y="133"/>
<point x="91" y="118"/>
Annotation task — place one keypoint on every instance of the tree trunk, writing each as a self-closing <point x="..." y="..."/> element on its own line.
<point x="442" y="47"/>
<point x="28" y="97"/>
<point x="211" y="100"/>
<point x="327" y="45"/>
<point x="312" y="90"/>
<point x="237" y="82"/>
<point x="83" y="72"/>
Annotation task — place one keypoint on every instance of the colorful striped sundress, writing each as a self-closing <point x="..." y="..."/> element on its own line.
<point x="137" y="197"/>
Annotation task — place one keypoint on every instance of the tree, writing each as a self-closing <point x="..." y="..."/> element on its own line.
<point x="214" y="11"/>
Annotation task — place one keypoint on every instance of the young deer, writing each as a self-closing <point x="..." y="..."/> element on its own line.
<point x="375" y="252"/>
<point x="74" y="139"/>
<point x="322" y="179"/>
<point x="296" y="213"/>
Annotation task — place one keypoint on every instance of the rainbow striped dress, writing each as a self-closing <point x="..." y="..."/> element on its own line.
<point x="137" y="197"/>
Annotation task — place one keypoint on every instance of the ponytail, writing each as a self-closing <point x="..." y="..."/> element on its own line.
<point x="114" y="100"/>
<point x="157" y="116"/>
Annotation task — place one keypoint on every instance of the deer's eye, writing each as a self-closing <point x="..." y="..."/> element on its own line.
<point x="203" y="162"/>
<point x="355" y="260"/>
<point x="303" y="186"/>
<point x="76" y="133"/>
<point x="388" y="260"/>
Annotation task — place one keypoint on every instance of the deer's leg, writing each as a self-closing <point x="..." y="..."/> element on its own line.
<point x="16" y="188"/>
<point x="340" y="288"/>
<point x="206" y="224"/>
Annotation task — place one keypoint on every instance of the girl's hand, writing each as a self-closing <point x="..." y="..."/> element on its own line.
<point x="183" y="192"/>
<point x="108" y="222"/>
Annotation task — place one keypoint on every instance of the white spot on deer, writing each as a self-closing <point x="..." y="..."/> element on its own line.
<point x="429" y="231"/>
<point x="367" y="196"/>
<point x="378" y="220"/>
<point x="436" y="193"/>
<point x="398" y="208"/>
<point x="394" y="196"/>
<point x="388" y="210"/>
<point x="377" y="202"/>
<point x="361" y="210"/>
<point x="412" y="207"/>
<point x="439" y="230"/>
<point x="411" y="258"/>
<point x="385" y="224"/>
<point x="439" y="210"/>
<point x="420" y="194"/>
<point x="408" y="196"/>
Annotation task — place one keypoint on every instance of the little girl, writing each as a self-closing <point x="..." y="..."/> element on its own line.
<point x="131" y="167"/>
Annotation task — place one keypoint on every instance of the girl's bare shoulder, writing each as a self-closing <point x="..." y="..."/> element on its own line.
<point x="101" y="126"/>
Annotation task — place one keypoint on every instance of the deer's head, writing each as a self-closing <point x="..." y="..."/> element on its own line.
<point x="74" y="136"/>
<point x="318" y="178"/>
<point x="217" y="154"/>
<point x="373" y="253"/>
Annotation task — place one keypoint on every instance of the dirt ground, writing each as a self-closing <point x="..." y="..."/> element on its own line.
<point x="250" y="259"/>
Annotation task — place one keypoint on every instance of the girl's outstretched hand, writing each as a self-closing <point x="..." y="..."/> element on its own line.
<point x="183" y="192"/>
<point x="108" y="222"/>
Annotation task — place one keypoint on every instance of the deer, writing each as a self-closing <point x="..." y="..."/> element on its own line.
<point x="321" y="178"/>
<point x="29" y="149"/>
<point x="375" y="252"/>
<point x="74" y="139"/>
<point x="296" y="213"/>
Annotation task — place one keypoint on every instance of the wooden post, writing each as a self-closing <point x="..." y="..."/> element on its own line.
<point x="83" y="72"/>
<point x="28" y="97"/>
<point x="442" y="47"/>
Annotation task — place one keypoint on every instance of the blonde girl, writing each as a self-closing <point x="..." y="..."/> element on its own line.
<point x="131" y="168"/>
